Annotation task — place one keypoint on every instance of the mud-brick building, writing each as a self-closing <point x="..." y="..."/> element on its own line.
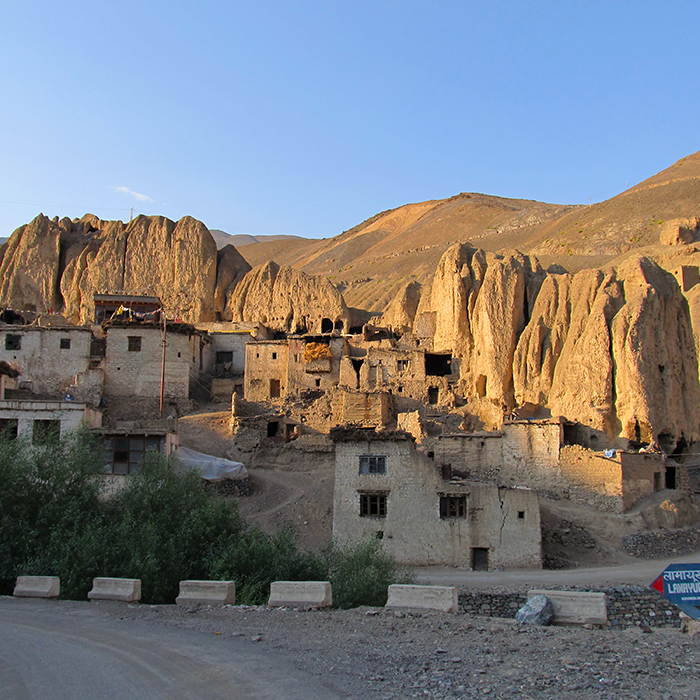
<point x="386" y="488"/>
<point x="49" y="359"/>
<point x="134" y="358"/>
<point x="276" y="369"/>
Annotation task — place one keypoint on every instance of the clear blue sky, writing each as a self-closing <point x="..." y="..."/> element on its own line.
<point x="307" y="117"/>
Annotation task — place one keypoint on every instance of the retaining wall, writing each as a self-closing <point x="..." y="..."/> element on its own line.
<point x="628" y="606"/>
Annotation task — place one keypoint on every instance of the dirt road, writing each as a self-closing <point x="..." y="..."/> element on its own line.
<point x="86" y="650"/>
<point x="636" y="572"/>
<point x="53" y="650"/>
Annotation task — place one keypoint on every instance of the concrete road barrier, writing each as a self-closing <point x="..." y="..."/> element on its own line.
<point x="442" y="598"/>
<point x="125" y="589"/>
<point x="314" y="594"/>
<point x="576" y="607"/>
<point x="37" y="587"/>
<point x="206" y="593"/>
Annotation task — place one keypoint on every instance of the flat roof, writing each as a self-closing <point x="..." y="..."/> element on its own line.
<point x="121" y="298"/>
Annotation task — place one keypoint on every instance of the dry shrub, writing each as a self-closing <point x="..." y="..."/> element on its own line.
<point x="317" y="351"/>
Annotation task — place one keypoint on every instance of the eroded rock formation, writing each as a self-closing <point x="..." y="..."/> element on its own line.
<point x="60" y="265"/>
<point x="612" y="349"/>
<point x="286" y="299"/>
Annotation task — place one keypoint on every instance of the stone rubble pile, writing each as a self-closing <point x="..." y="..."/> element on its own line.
<point x="657" y="544"/>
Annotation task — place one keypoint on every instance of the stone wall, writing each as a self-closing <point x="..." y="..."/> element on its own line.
<point x="593" y="478"/>
<point x="138" y="372"/>
<point x="233" y="341"/>
<point x="266" y="370"/>
<point x="48" y="358"/>
<point x="374" y="410"/>
<point x="628" y="606"/>
<point x="72" y="415"/>
<point x="415" y="528"/>
<point x="642" y="474"/>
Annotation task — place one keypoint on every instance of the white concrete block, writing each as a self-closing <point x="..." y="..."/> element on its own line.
<point x="126" y="589"/>
<point x="315" y="594"/>
<point x="206" y="593"/>
<point x="442" y="598"/>
<point x="576" y="607"/>
<point x="37" y="587"/>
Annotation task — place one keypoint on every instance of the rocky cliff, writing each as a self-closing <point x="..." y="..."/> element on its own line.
<point x="286" y="299"/>
<point x="60" y="265"/>
<point x="612" y="349"/>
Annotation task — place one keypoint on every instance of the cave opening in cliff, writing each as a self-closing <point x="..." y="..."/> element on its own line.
<point x="438" y="365"/>
<point x="326" y="325"/>
<point x="338" y="326"/>
<point x="357" y="366"/>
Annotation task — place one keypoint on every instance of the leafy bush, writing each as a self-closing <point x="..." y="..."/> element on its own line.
<point x="361" y="573"/>
<point x="48" y="505"/>
<point x="161" y="527"/>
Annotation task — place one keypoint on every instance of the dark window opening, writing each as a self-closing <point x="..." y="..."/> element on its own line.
<point x="438" y="365"/>
<point x="433" y="395"/>
<point x="372" y="464"/>
<point x="446" y="471"/>
<point x="670" y="477"/>
<point x="274" y="355"/>
<point x="134" y="343"/>
<point x="224" y="357"/>
<point x="275" y="388"/>
<point x="338" y="325"/>
<point x="372" y="505"/>
<point x="355" y="330"/>
<point x="431" y="455"/>
<point x="453" y="507"/>
<point x="64" y="344"/>
<point x="401" y="365"/>
<point x="289" y="432"/>
<point x="480" y="559"/>
<point x="318" y="382"/>
<point x="658" y="481"/>
<point x="46" y="432"/>
<point x="400" y="390"/>
<point x="13" y="342"/>
<point x="521" y="515"/>
<point x="124" y="455"/>
<point x="273" y="427"/>
<point x="8" y="427"/>
<point x="380" y="534"/>
<point x="326" y="325"/>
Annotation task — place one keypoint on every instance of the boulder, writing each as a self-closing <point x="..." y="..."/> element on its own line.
<point x="537" y="611"/>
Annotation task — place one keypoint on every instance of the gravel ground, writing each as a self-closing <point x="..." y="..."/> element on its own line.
<point x="374" y="653"/>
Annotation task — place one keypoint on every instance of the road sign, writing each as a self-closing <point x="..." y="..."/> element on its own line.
<point x="680" y="584"/>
